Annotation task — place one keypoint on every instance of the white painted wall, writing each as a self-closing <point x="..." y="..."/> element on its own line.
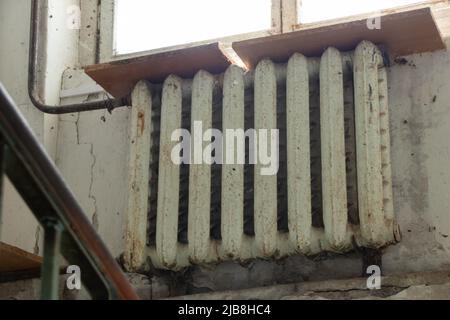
<point x="92" y="155"/>
<point x="420" y="131"/>
<point x="91" y="150"/>
<point x="19" y="226"/>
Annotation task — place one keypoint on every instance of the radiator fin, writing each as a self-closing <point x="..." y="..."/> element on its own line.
<point x="368" y="143"/>
<point x="265" y="185"/>
<point x="233" y="174"/>
<point x="169" y="174"/>
<point x="334" y="191"/>
<point x="298" y="153"/>
<point x="140" y="135"/>
<point x="200" y="172"/>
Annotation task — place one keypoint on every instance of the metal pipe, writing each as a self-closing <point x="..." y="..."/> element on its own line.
<point x="109" y="104"/>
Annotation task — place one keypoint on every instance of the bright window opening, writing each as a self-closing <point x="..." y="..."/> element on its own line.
<point x="142" y="25"/>
<point x="319" y="10"/>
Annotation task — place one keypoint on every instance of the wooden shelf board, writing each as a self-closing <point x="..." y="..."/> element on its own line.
<point x="119" y="77"/>
<point x="402" y="33"/>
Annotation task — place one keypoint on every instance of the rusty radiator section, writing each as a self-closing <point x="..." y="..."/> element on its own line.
<point x="333" y="190"/>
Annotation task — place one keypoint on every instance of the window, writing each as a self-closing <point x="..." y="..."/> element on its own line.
<point x="147" y="26"/>
<point x="318" y="10"/>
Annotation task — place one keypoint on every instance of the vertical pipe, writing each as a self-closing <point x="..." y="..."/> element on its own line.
<point x="265" y="186"/>
<point x="169" y="174"/>
<point x="334" y="191"/>
<point x="50" y="265"/>
<point x="199" y="171"/>
<point x="298" y="153"/>
<point x="233" y="172"/>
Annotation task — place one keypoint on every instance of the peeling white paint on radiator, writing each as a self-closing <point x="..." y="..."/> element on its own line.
<point x="372" y="145"/>
<point x="265" y="196"/>
<point x="334" y="192"/>
<point x="233" y="175"/>
<point x="200" y="173"/>
<point x="377" y="227"/>
<point x="169" y="173"/>
<point x="298" y="156"/>
<point x="139" y="158"/>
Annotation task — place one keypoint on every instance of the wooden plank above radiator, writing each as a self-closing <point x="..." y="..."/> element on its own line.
<point x="403" y="33"/>
<point x="119" y="77"/>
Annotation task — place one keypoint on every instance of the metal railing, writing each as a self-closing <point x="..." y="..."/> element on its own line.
<point x="67" y="230"/>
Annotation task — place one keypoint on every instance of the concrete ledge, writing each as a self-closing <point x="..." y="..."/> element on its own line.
<point x="412" y="286"/>
<point x="406" y="286"/>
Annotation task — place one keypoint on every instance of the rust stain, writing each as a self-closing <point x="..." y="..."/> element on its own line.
<point x="141" y="123"/>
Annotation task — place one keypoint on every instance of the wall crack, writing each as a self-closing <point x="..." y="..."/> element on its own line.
<point x="91" y="184"/>
<point x="91" y="195"/>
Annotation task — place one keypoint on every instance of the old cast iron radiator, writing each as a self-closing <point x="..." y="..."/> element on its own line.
<point x="333" y="189"/>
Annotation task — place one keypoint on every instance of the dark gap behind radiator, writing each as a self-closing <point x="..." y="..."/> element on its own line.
<point x="315" y="153"/>
<point x="154" y="167"/>
<point x="216" y="177"/>
<point x="216" y="170"/>
<point x="350" y="151"/>
<point x="282" y="191"/>
<point x="184" y="178"/>
<point x="249" y="123"/>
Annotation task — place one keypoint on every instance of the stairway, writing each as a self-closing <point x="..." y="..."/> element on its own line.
<point x="67" y="231"/>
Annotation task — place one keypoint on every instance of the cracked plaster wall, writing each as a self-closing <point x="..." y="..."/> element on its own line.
<point x="92" y="155"/>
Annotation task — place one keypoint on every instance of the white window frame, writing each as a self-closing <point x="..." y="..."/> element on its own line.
<point x="284" y="14"/>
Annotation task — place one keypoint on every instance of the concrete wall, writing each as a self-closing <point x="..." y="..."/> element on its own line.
<point x="91" y="150"/>
<point x="19" y="226"/>
<point x="420" y="117"/>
